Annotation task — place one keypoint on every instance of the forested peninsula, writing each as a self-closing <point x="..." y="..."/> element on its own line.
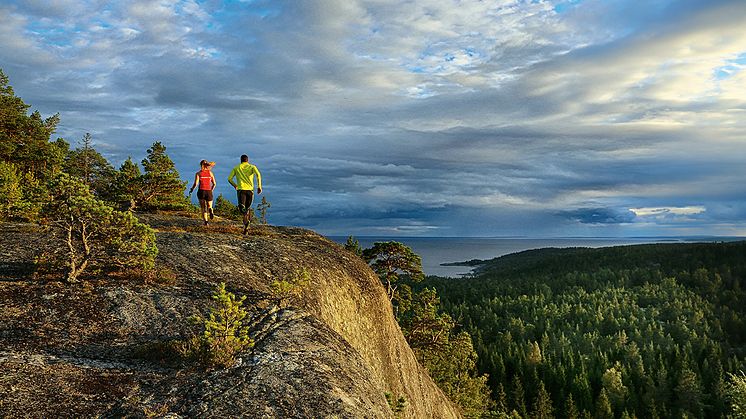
<point x="651" y="331"/>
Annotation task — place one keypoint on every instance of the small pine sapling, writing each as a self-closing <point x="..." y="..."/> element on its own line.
<point x="224" y="334"/>
<point x="353" y="245"/>
<point x="287" y="291"/>
<point x="397" y="405"/>
<point x="263" y="208"/>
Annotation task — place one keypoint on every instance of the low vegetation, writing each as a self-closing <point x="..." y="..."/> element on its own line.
<point x="287" y="291"/>
<point x="446" y="353"/>
<point x="224" y="332"/>
<point x="90" y="235"/>
<point x="353" y="245"/>
<point x="396" y="404"/>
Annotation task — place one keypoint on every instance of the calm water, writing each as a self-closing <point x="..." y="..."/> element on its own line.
<point x="437" y="250"/>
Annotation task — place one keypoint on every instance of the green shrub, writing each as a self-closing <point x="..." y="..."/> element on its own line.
<point x="287" y="291"/>
<point x="11" y="194"/>
<point x="736" y="392"/>
<point x="160" y="275"/>
<point x="167" y="352"/>
<point x="353" y="245"/>
<point x="396" y="404"/>
<point x="225" y="208"/>
<point x="224" y="333"/>
<point x="89" y="234"/>
<point x="448" y="355"/>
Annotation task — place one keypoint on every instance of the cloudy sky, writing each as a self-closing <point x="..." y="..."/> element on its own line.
<point x="538" y="118"/>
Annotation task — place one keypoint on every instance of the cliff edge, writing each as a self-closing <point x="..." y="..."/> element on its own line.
<point x="76" y="349"/>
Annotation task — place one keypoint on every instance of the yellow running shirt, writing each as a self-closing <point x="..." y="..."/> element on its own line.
<point x="244" y="174"/>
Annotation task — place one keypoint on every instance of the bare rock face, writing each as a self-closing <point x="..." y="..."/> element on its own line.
<point x="74" y="350"/>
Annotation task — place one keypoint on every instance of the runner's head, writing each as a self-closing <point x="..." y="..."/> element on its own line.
<point x="244" y="158"/>
<point x="206" y="164"/>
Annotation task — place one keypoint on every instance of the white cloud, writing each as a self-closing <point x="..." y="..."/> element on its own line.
<point x="665" y="211"/>
<point x="651" y="77"/>
<point x="380" y="107"/>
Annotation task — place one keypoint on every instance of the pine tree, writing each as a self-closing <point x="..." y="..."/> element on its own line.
<point x="24" y="139"/>
<point x="582" y="389"/>
<point x="288" y="290"/>
<point x="162" y="185"/>
<point x="603" y="406"/>
<point x="519" y="397"/>
<point x="615" y="389"/>
<point x="263" y="208"/>
<point x="389" y="260"/>
<point x="736" y="392"/>
<point x="224" y="333"/>
<point x="11" y="192"/>
<point x="534" y="354"/>
<point x="353" y="245"/>
<point x="571" y="411"/>
<point x="448" y="356"/>
<point x="688" y="393"/>
<point x="501" y="400"/>
<point x="91" y="234"/>
<point x="92" y="168"/>
<point x="129" y="185"/>
<point x="543" y="404"/>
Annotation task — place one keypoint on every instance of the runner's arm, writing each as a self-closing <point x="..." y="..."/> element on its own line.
<point x="196" y="182"/>
<point x="214" y="183"/>
<point x="258" y="180"/>
<point x="230" y="178"/>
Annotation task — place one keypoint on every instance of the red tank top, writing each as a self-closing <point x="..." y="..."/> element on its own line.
<point x="205" y="180"/>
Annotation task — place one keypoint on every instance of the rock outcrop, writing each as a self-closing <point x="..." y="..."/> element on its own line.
<point x="76" y="349"/>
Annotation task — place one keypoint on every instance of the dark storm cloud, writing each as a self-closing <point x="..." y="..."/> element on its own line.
<point x="599" y="215"/>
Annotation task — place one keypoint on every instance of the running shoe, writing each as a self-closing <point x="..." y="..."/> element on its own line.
<point x="212" y="214"/>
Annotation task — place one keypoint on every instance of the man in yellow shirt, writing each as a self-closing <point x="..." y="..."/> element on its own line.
<point x="244" y="184"/>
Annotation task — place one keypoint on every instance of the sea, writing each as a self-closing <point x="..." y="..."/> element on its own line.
<point x="435" y="251"/>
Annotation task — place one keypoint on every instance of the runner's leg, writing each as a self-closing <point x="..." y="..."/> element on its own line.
<point x="203" y="207"/>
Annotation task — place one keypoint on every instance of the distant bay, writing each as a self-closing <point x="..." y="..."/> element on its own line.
<point x="438" y="250"/>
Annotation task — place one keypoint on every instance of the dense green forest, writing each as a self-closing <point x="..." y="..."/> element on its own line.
<point x="634" y="331"/>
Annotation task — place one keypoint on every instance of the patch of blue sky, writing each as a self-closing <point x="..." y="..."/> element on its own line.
<point x="732" y="67"/>
<point x="51" y="35"/>
<point x="238" y="8"/>
<point x="212" y="26"/>
<point x="567" y="5"/>
<point x="102" y="24"/>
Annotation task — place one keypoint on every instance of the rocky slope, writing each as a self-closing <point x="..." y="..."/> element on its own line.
<point x="77" y="350"/>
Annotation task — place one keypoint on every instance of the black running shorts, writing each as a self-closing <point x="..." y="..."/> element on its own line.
<point x="245" y="198"/>
<point x="204" y="194"/>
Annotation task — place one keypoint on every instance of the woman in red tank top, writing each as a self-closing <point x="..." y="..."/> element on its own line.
<point x="206" y="181"/>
